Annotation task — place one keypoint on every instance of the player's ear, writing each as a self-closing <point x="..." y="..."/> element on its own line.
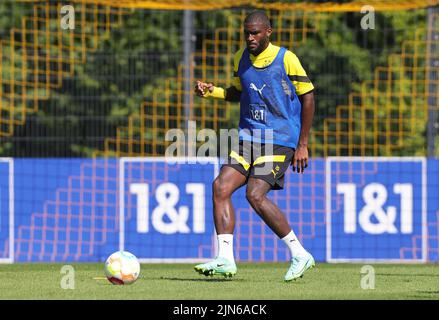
<point x="269" y="31"/>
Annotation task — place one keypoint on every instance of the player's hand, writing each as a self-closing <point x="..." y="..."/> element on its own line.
<point x="201" y="87"/>
<point x="300" y="159"/>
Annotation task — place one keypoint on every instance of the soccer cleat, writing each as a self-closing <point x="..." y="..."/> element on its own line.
<point x="299" y="265"/>
<point x="219" y="266"/>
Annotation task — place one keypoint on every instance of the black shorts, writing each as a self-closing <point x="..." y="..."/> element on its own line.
<point x="262" y="161"/>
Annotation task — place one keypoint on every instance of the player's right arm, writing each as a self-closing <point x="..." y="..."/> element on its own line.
<point x="232" y="93"/>
<point x="208" y="90"/>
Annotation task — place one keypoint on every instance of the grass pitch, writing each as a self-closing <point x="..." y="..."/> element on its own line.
<point x="253" y="281"/>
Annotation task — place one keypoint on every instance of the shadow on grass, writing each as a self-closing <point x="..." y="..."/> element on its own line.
<point x="199" y="279"/>
<point x="408" y="275"/>
<point x="425" y="294"/>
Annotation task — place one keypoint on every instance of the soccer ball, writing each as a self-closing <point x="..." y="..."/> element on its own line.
<point x="122" y="267"/>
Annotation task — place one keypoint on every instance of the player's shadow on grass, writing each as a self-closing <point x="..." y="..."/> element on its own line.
<point x="407" y="275"/>
<point x="200" y="279"/>
<point x="425" y="295"/>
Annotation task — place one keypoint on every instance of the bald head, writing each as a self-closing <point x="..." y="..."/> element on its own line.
<point x="258" y="17"/>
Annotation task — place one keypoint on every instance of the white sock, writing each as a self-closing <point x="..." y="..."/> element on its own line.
<point x="293" y="244"/>
<point x="225" y="246"/>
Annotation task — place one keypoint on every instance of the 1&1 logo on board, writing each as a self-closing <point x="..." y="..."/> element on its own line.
<point x="376" y="209"/>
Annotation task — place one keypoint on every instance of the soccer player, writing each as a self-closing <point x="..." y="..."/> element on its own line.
<point x="275" y="94"/>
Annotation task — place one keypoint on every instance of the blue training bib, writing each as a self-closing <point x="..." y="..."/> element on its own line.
<point x="268" y="101"/>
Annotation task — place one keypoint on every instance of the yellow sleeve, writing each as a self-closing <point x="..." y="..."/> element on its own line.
<point x="297" y="74"/>
<point x="218" y="93"/>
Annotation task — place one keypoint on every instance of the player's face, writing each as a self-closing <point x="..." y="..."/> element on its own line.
<point x="257" y="37"/>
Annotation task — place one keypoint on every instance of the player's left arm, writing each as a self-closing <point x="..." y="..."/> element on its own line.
<point x="305" y="92"/>
<point x="300" y="159"/>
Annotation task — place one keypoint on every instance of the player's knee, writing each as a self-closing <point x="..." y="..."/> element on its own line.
<point x="221" y="189"/>
<point x="254" y="196"/>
